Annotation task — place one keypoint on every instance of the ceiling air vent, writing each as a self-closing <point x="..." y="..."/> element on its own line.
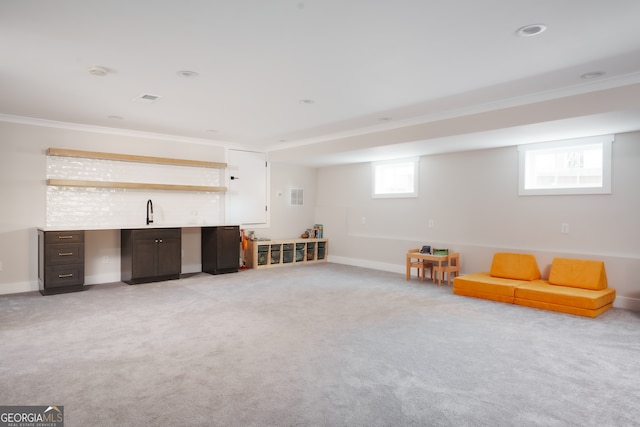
<point x="146" y="98"/>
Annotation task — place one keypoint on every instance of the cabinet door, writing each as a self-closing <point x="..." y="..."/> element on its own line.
<point x="228" y="247"/>
<point x="169" y="257"/>
<point x="145" y="260"/>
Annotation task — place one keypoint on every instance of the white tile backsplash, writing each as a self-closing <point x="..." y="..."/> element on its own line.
<point x="82" y="207"/>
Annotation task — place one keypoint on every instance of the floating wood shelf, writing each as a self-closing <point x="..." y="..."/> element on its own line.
<point x="134" y="185"/>
<point x="132" y="158"/>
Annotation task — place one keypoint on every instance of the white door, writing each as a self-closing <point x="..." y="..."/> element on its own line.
<point x="248" y="180"/>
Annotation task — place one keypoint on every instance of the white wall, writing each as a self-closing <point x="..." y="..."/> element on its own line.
<point x="23" y="169"/>
<point x="288" y="221"/>
<point x="472" y="198"/>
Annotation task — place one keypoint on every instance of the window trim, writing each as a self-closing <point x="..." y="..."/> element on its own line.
<point x="416" y="168"/>
<point x="605" y="140"/>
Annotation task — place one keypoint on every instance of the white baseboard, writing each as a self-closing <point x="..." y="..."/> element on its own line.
<point x="627" y="303"/>
<point x="115" y="276"/>
<point x="102" y="278"/>
<point x="17" y="288"/>
<point x="194" y="268"/>
<point x="375" y="265"/>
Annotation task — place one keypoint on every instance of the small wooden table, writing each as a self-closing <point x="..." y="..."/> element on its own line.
<point x="439" y="259"/>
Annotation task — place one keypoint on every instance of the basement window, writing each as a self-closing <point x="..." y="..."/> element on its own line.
<point x="395" y="178"/>
<point x="577" y="166"/>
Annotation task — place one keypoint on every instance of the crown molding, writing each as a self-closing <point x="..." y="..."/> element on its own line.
<point x="32" y="121"/>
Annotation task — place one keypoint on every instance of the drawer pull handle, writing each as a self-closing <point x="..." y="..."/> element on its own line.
<point x="65" y="253"/>
<point x="64" y="276"/>
<point x="65" y="237"/>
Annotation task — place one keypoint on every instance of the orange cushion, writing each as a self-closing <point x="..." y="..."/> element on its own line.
<point x="578" y="273"/>
<point x="514" y="266"/>
<point x="483" y="295"/>
<point x="542" y="291"/>
<point x="563" y="308"/>
<point x="486" y="284"/>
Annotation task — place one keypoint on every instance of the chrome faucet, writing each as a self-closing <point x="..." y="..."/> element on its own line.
<point x="149" y="212"/>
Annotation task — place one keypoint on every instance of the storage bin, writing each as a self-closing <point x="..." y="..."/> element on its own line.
<point x="287" y="252"/>
<point x="311" y="251"/>
<point x="275" y="254"/>
<point x="321" y="250"/>
<point x="263" y="254"/>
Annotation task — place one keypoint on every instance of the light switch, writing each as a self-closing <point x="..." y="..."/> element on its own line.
<point x="564" y="228"/>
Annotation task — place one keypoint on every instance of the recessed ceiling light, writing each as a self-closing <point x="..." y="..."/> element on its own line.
<point x="531" y="30"/>
<point x="114" y="117"/>
<point x="188" y="74"/>
<point x="212" y="131"/>
<point x="592" y="75"/>
<point x="96" y="70"/>
<point x="385" y="119"/>
<point x="307" y="101"/>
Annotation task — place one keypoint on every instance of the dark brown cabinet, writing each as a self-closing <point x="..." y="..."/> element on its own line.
<point x="220" y="249"/>
<point x="60" y="261"/>
<point x="150" y="255"/>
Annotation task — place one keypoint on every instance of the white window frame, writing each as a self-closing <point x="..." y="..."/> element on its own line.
<point x="604" y="140"/>
<point x="376" y="169"/>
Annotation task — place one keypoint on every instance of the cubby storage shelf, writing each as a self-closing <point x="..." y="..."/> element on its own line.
<point x="278" y="253"/>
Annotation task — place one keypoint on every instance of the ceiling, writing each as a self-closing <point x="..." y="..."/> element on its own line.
<point x="321" y="82"/>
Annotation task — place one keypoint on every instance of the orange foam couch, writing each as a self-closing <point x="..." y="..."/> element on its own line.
<point x="574" y="286"/>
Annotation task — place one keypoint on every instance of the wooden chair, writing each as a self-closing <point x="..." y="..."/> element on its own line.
<point x="421" y="266"/>
<point x="452" y="269"/>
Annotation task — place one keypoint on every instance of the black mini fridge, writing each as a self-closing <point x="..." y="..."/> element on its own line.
<point x="221" y="249"/>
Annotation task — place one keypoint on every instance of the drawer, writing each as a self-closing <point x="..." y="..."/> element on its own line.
<point x="74" y="236"/>
<point x="156" y="233"/>
<point x="64" y="254"/>
<point x="64" y="275"/>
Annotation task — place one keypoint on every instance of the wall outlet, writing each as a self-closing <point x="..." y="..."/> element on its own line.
<point x="564" y="228"/>
<point x="105" y="259"/>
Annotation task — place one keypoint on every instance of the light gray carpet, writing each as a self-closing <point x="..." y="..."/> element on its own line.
<point x="315" y="345"/>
